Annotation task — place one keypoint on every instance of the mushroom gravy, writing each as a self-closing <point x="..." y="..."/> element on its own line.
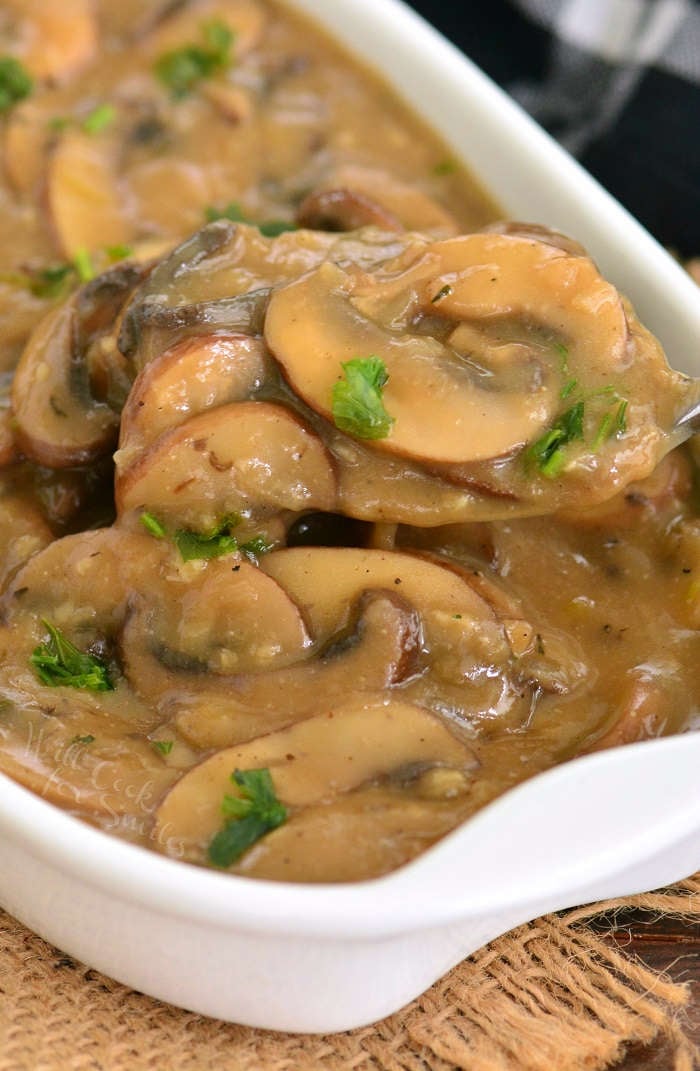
<point x="395" y="518"/>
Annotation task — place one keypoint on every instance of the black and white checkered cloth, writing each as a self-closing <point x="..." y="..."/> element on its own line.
<point x="617" y="82"/>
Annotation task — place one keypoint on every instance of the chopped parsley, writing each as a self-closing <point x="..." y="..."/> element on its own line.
<point x="15" y="82"/>
<point x="118" y="252"/>
<point x="183" y="68"/>
<point x="54" y="281"/>
<point x="547" y="452"/>
<point x="248" y="816"/>
<point x="563" y="355"/>
<point x="357" y="404"/>
<point x="163" y="746"/>
<point x="99" y="119"/>
<point x="232" y="211"/>
<point x="58" y="663"/>
<point x="194" y="546"/>
<point x="620" y="422"/>
<point x="153" y="525"/>
<point x="198" y="546"/>
<point x="613" y="423"/>
<point x="83" y="266"/>
<point x="256" y="547"/>
<point x="88" y="739"/>
<point x="270" y="228"/>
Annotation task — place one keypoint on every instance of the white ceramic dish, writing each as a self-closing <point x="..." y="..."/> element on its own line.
<point x="305" y="958"/>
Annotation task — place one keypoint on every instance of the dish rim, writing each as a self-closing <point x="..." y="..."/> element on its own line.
<point x="379" y="907"/>
<point x="358" y="910"/>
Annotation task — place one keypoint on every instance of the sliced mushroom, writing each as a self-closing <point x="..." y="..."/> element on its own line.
<point x="221" y="277"/>
<point x="440" y="413"/>
<point x="195" y="374"/>
<point x="55" y="41"/>
<point x="58" y="421"/>
<point x="543" y="657"/>
<point x="169" y="195"/>
<point x="55" y="425"/>
<point x="84" y="581"/>
<point x="23" y="532"/>
<point x="643" y="714"/>
<point x="326" y="581"/>
<point x="360" y="835"/>
<point x="378" y="651"/>
<point x="72" y="751"/>
<point x="343" y="209"/>
<point x="538" y="233"/>
<point x="26" y="140"/>
<point x="83" y="196"/>
<point x="231" y="459"/>
<point x="353" y="196"/>
<point x="313" y="762"/>
<point x="151" y="327"/>
<point x="225" y="617"/>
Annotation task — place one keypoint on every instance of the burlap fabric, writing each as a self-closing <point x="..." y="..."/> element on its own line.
<point x="550" y="996"/>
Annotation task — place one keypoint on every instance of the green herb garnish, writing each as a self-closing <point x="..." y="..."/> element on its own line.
<point x="563" y="355"/>
<point x="249" y="816"/>
<point x="99" y="119"/>
<point x="445" y="167"/>
<point x="256" y="547"/>
<point x="547" y="452"/>
<point x="58" y="663"/>
<point x="82" y="263"/>
<point x="568" y="388"/>
<point x="620" y="424"/>
<point x="118" y="252"/>
<point x="195" y="546"/>
<point x="163" y="746"/>
<point x="357" y="403"/>
<point x="55" y="281"/>
<point x="183" y="68"/>
<point x="153" y="525"/>
<point x="443" y="292"/>
<point x="612" y="424"/>
<point x="89" y="739"/>
<point x="232" y="211"/>
<point x="15" y="82"/>
<point x="270" y="228"/>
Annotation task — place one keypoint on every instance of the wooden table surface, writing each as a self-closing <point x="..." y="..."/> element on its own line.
<point x="670" y="946"/>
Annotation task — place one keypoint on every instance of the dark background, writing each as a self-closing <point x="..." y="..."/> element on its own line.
<point x="649" y="158"/>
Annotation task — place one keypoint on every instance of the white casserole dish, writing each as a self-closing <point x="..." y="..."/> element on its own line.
<point x="327" y="958"/>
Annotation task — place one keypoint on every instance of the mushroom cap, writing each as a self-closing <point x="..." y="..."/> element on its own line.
<point x="312" y="762"/>
<point x="235" y="458"/>
<point x="195" y="374"/>
<point x="58" y="420"/>
<point x="380" y="650"/>
<point x="440" y="411"/>
<point x="326" y="581"/>
<point x="83" y="196"/>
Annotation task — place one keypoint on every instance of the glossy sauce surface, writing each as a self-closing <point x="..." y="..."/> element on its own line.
<point x="396" y="628"/>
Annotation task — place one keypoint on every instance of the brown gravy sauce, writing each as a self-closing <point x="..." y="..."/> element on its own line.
<point x="397" y="629"/>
